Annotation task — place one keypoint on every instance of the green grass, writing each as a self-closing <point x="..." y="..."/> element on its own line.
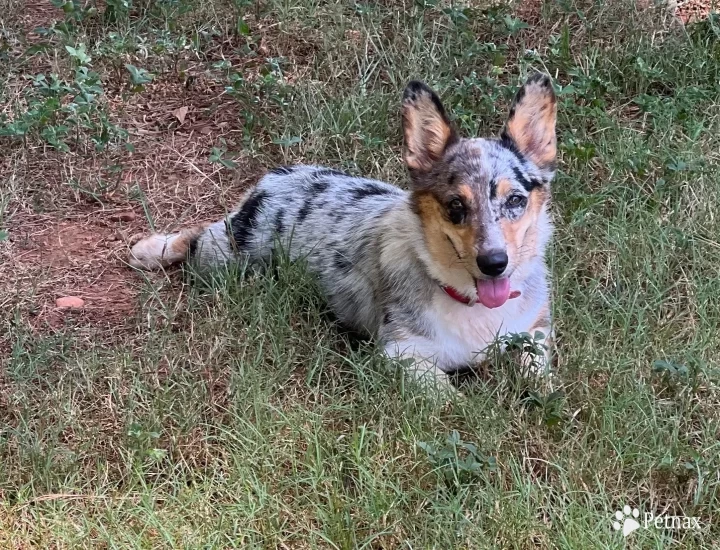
<point x="235" y="414"/>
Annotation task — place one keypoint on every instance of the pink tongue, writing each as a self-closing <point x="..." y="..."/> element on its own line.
<point x="494" y="292"/>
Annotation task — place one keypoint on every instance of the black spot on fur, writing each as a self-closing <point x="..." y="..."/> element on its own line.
<point x="192" y="248"/>
<point x="452" y="180"/>
<point x="541" y="78"/>
<point x="387" y="317"/>
<point x="282" y="170"/>
<point x="330" y="172"/>
<point x="493" y="189"/>
<point x="313" y="190"/>
<point x="244" y="221"/>
<point x="508" y="143"/>
<point x="340" y="262"/>
<point x="528" y="184"/>
<point x="307" y="207"/>
<point x="518" y="98"/>
<point x="369" y="190"/>
<point x="279" y="224"/>
<point x="319" y="187"/>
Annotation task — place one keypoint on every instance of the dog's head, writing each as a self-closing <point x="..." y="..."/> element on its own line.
<point x="482" y="202"/>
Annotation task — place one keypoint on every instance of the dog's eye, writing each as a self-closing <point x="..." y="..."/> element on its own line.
<point x="516" y="201"/>
<point x="456" y="211"/>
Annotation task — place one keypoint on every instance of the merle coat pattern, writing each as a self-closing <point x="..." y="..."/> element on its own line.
<point x="436" y="273"/>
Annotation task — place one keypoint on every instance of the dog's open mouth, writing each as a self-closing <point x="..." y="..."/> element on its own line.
<point x="494" y="293"/>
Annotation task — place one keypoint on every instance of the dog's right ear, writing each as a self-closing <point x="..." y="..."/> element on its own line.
<point x="428" y="131"/>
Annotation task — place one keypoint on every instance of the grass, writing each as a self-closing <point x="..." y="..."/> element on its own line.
<point x="233" y="413"/>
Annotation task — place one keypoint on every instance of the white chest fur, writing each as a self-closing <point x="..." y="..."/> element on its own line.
<point x="463" y="333"/>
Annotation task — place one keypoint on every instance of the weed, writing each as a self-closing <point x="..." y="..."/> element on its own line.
<point x="457" y="461"/>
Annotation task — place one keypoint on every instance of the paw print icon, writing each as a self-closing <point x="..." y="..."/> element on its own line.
<point x="627" y="520"/>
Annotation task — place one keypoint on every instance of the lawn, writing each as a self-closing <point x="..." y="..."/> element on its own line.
<point x="230" y="412"/>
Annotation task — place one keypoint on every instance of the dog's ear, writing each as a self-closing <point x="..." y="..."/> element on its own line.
<point x="530" y="127"/>
<point x="428" y="131"/>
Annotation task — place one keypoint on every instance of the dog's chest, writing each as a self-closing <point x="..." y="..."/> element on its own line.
<point x="463" y="333"/>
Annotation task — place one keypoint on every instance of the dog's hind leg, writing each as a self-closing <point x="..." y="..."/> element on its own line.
<point x="208" y="245"/>
<point x="159" y="250"/>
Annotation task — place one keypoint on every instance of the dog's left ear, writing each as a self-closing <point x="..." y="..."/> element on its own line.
<point x="531" y="123"/>
<point x="428" y="130"/>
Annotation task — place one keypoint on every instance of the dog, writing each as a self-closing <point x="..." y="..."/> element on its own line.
<point x="435" y="273"/>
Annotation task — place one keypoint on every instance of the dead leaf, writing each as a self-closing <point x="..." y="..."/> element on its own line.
<point x="180" y="114"/>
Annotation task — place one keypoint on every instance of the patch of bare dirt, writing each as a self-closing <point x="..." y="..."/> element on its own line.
<point x="693" y="11"/>
<point x="38" y="13"/>
<point x="73" y="215"/>
<point x="50" y="258"/>
<point x="70" y="230"/>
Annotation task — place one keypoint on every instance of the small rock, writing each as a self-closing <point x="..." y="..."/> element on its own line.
<point x="122" y="217"/>
<point x="72" y="302"/>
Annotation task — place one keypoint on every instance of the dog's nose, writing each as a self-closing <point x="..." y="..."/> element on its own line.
<point x="493" y="264"/>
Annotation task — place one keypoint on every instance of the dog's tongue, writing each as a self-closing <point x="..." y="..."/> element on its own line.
<point x="493" y="293"/>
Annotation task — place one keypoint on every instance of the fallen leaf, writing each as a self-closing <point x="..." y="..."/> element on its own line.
<point x="180" y="114"/>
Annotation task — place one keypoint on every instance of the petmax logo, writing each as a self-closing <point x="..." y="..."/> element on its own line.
<point x="671" y="522"/>
<point x="627" y="521"/>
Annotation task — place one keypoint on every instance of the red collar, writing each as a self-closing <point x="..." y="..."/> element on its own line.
<point x="455" y="295"/>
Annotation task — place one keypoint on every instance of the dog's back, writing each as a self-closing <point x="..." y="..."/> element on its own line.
<point x="327" y="218"/>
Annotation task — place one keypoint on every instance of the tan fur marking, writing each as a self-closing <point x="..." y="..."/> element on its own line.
<point x="504" y="187"/>
<point x="437" y="231"/>
<point x="532" y="127"/>
<point x="521" y="235"/>
<point x="466" y="192"/>
<point x="181" y="245"/>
